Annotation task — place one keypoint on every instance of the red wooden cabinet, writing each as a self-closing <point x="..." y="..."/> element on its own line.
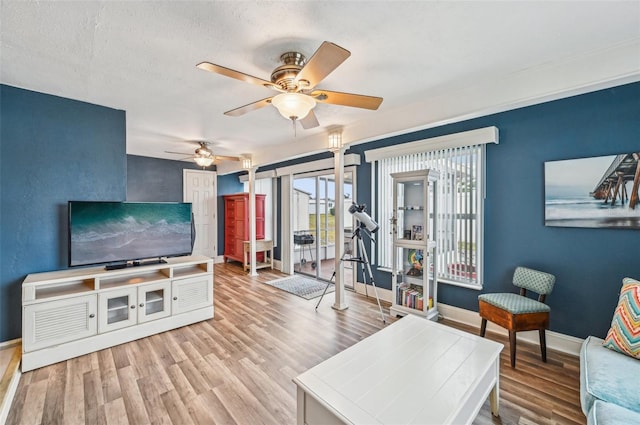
<point x="236" y="223"/>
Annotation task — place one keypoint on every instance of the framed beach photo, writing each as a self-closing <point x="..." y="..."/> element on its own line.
<point x="597" y="192"/>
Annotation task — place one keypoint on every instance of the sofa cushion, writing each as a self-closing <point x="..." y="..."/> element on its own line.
<point x="607" y="375"/>
<point x="624" y="335"/>
<point x="611" y="414"/>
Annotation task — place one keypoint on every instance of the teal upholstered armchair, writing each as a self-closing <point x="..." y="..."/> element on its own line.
<point x="517" y="312"/>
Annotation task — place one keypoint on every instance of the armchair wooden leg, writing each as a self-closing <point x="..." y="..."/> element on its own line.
<point x="543" y="345"/>
<point x="483" y="327"/>
<point x="512" y="347"/>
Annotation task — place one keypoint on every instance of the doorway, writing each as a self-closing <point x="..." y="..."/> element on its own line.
<point x="199" y="188"/>
<point x="314" y="211"/>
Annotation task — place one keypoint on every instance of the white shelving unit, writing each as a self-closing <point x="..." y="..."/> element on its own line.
<point x="69" y="313"/>
<point x="415" y="290"/>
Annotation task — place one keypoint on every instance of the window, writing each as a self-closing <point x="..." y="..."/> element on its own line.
<point x="460" y="201"/>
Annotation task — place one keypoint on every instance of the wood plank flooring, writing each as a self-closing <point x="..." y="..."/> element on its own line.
<point x="238" y="367"/>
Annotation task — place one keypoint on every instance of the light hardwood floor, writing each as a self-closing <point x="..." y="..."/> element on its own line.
<point x="238" y="367"/>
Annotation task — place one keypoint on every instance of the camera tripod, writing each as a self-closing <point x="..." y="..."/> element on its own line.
<point x="364" y="263"/>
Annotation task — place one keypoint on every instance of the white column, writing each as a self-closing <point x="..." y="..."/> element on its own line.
<point x="286" y="251"/>
<point x="338" y="167"/>
<point x="252" y="219"/>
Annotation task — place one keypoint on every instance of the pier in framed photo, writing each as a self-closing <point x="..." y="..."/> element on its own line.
<point x="599" y="192"/>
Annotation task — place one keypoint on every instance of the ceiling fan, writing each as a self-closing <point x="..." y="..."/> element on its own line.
<point x="204" y="156"/>
<point x="296" y="80"/>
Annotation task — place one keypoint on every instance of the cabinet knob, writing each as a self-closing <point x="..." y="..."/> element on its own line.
<point x="91" y="316"/>
<point x="175" y="298"/>
<point x="132" y="307"/>
<point x="141" y="304"/>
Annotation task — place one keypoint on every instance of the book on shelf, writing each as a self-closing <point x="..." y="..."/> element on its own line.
<point x="410" y="296"/>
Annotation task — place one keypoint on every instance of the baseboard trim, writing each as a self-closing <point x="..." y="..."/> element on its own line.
<point x="218" y="259"/>
<point x="10" y="343"/>
<point x="277" y="264"/>
<point x="383" y="294"/>
<point x="10" y="380"/>
<point x="555" y="341"/>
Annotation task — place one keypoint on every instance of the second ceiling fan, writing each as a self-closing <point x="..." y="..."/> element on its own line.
<point x="296" y="80"/>
<point x="204" y="156"/>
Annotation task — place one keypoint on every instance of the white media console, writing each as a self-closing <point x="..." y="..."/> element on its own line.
<point x="69" y="313"/>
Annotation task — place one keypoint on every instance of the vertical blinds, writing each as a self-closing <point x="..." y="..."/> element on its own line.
<point x="460" y="207"/>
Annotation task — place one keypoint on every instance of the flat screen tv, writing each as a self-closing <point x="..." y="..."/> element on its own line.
<point x="117" y="233"/>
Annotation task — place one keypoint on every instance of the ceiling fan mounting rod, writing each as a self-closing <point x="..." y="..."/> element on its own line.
<point x="284" y="75"/>
<point x="293" y="58"/>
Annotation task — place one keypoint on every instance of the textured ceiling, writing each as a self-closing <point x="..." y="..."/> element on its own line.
<point x="432" y="62"/>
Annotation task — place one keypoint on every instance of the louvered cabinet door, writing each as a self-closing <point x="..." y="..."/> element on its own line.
<point x="55" y="322"/>
<point x="191" y="293"/>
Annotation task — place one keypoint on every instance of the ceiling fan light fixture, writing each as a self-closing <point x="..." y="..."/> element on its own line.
<point x="293" y="106"/>
<point x="203" y="161"/>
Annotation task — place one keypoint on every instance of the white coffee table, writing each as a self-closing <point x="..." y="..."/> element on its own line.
<point x="414" y="371"/>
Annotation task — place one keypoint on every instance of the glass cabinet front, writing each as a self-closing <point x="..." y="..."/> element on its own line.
<point x="413" y="264"/>
<point x="414" y="230"/>
<point x="154" y="301"/>
<point x="132" y="305"/>
<point x="118" y="309"/>
<point x="413" y="213"/>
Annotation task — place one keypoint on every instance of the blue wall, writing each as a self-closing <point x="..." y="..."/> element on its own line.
<point x="156" y="180"/>
<point x="52" y="150"/>
<point x="589" y="264"/>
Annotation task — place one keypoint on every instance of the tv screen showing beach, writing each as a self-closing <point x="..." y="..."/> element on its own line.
<point x="107" y="232"/>
<point x="593" y="192"/>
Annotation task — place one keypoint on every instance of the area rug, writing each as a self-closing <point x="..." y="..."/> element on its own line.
<point x="302" y="286"/>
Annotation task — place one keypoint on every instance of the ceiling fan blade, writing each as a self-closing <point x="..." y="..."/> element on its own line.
<point x="178" y="153"/>
<point x="327" y="58"/>
<point x="347" y="99"/>
<point x="248" y="108"/>
<point x="310" y="121"/>
<point x="226" y="158"/>
<point x="211" y="67"/>
<point x="185" y="156"/>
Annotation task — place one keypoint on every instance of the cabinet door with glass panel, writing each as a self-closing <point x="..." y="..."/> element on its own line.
<point x="129" y="306"/>
<point x="414" y="229"/>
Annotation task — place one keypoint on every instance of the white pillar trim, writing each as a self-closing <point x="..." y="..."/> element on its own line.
<point x="338" y="168"/>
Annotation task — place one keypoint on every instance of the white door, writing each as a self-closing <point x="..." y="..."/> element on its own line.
<point x="199" y="188"/>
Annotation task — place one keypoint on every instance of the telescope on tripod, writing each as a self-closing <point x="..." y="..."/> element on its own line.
<point x="368" y="226"/>
<point x="358" y="211"/>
